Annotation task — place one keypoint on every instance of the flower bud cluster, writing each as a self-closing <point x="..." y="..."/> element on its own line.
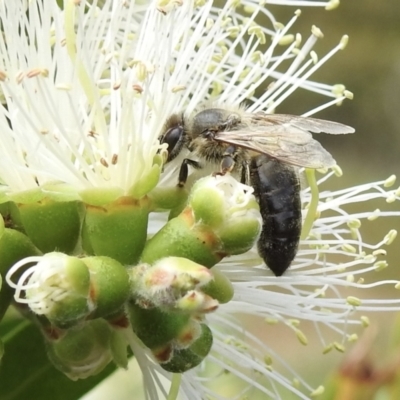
<point x="173" y="289"/>
<point x="80" y="277"/>
<point x="169" y="295"/>
<point x="221" y="218"/>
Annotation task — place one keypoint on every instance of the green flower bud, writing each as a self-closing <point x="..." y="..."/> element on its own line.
<point x="118" y="348"/>
<point x="69" y="312"/>
<point x="168" y="198"/>
<point x="207" y="203"/>
<point x="109" y="285"/>
<point x="221" y="218"/>
<point x="176" y="210"/>
<point x="196" y="302"/>
<point x="13" y="217"/>
<point x="187" y="358"/>
<point x="219" y="288"/>
<point x="230" y="209"/>
<point x="51" y="225"/>
<point x="239" y="234"/>
<point x="4" y="209"/>
<point x="117" y="230"/>
<point x="14" y="246"/>
<point x="183" y="237"/>
<point x="154" y="327"/>
<point x="173" y="283"/>
<point x="82" y="351"/>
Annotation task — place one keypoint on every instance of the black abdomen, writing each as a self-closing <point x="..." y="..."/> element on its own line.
<point x="277" y="189"/>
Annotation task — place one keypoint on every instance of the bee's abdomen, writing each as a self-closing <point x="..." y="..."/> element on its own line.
<point x="277" y="189"/>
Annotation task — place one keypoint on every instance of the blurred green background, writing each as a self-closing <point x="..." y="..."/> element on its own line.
<point x="370" y="68"/>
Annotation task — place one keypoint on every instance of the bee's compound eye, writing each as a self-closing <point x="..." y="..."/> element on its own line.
<point x="173" y="138"/>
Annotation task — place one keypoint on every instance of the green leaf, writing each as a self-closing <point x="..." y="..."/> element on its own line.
<point x="26" y="372"/>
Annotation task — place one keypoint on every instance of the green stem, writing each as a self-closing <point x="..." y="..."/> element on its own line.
<point x="312" y="208"/>
<point x="175" y="385"/>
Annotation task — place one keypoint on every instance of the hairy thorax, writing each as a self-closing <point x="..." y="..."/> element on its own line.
<point x="212" y="152"/>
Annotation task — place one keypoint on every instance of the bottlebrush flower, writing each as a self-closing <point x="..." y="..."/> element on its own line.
<point x="86" y="90"/>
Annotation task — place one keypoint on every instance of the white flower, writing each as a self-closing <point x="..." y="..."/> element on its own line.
<point x="85" y="105"/>
<point x="87" y="89"/>
<point x="72" y="112"/>
<point x="45" y="284"/>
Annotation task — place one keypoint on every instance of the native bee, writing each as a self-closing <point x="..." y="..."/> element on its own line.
<point x="266" y="151"/>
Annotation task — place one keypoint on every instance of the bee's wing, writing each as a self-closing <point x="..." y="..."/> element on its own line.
<point x="313" y="125"/>
<point x="285" y="137"/>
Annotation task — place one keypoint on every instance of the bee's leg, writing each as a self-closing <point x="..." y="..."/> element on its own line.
<point x="184" y="170"/>
<point x="228" y="160"/>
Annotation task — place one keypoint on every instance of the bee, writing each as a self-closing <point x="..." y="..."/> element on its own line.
<point x="265" y="150"/>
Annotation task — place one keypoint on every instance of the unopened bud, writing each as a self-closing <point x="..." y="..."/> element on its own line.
<point x="172" y="283"/>
<point x="51" y="225"/>
<point x="109" y="286"/>
<point x="195" y="301"/>
<point x="184" y="359"/>
<point x="219" y="288"/>
<point x="168" y="198"/>
<point x="117" y="230"/>
<point x="221" y="218"/>
<point x="229" y="207"/>
<point x="83" y="351"/>
<point x="155" y="327"/>
<point x="183" y="237"/>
